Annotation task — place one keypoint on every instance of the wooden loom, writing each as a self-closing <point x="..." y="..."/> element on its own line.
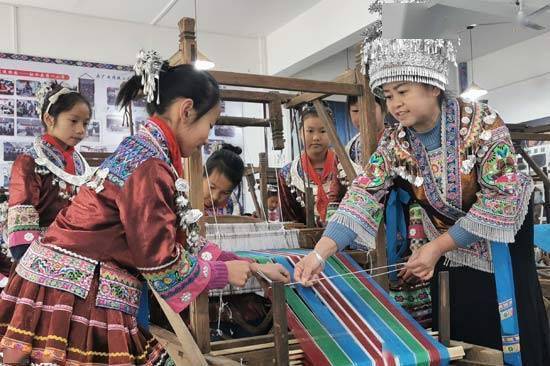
<point x="278" y="348"/>
<point x="259" y="349"/>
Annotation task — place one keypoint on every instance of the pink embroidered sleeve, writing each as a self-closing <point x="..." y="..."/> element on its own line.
<point x="147" y="211"/>
<point x="23" y="225"/>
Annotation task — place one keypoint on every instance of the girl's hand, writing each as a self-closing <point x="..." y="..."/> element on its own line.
<point x="274" y="271"/>
<point x="238" y="272"/>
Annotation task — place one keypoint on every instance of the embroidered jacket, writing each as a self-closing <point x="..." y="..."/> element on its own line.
<point x="292" y="185"/>
<point x="124" y="221"/>
<point x="40" y="188"/>
<point x="473" y="181"/>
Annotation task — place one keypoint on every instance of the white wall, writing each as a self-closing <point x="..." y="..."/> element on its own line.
<point x="518" y="79"/>
<point x="62" y="35"/>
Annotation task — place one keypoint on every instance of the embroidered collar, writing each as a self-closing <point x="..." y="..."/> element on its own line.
<point x="50" y="159"/>
<point x="167" y="139"/>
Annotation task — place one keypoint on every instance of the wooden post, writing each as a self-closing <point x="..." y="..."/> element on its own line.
<point x="198" y="311"/>
<point x="367" y="115"/>
<point x="276" y="122"/>
<point x="251" y="180"/>
<point x="263" y="181"/>
<point x="310" y="207"/>
<point x="333" y="136"/>
<point x="280" y="326"/>
<point x="368" y="136"/>
<point x="444" y="309"/>
<point x="533" y="165"/>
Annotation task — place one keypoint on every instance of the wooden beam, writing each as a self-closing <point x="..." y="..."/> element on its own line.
<point x="198" y="311"/>
<point x="333" y="136"/>
<point x="276" y="124"/>
<point x="282" y="83"/>
<point x="188" y="345"/>
<point x="310" y="207"/>
<point x="263" y="181"/>
<point x="533" y="165"/>
<point x="347" y="77"/>
<point x="251" y="180"/>
<point x="530" y="136"/>
<point x="280" y="326"/>
<point x="249" y="96"/>
<point x="242" y="121"/>
<point x="367" y="115"/>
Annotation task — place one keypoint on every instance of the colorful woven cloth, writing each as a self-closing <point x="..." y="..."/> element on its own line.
<point x="350" y="320"/>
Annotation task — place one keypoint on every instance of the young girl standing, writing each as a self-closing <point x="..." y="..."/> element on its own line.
<point x="132" y="219"/>
<point x="315" y="167"/>
<point x="46" y="177"/>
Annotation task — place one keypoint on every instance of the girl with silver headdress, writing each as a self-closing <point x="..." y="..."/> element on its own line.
<point x="74" y="295"/>
<point x="45" y="178"/>
<point x="315" y="167"/>
<point x="469" y="212"/>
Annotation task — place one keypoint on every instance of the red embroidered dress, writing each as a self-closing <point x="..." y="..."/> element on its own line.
<point x="74" y="298"/>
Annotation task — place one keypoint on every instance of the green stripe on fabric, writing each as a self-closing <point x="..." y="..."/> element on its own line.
<point x="423" y="357"/>
<point x="318" y="333"/>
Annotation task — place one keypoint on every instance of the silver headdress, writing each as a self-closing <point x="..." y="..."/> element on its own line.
<point x="148" y="66"/>
<point x="415" y="60"/>
<point x="45" y="89"/>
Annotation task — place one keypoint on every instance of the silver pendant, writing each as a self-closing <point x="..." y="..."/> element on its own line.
<point x="182" y="185"/>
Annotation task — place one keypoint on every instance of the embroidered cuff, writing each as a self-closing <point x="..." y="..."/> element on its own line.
<point x="218" y="275"/>
<point x="23" y="225"/>
<point x="180" y="281"/>
<point x="342" y="235"/>
<point x="462" y="237"/>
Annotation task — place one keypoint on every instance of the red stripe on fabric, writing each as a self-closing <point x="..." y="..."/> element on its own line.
<point x="433" y="352"/>
<point x="307" y="343"/>
<point x="348" y="316"/>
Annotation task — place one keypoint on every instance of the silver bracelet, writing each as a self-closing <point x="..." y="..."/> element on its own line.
<point x="319" y="258"/>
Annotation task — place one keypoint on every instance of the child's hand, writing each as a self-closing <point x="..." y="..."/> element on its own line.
<point x="238" y="272"/>
<point x="274" y="271"/>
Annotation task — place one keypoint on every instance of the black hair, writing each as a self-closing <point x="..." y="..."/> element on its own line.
<point x="227" y="162"/>
<point x="182" y="81"/>
<point x="64" y="103"/>
<point x="351" y="100"/>
<point x="309" y="110"/>
<point x="272" y="193"/>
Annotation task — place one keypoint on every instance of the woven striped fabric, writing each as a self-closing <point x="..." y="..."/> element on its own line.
<point x="349" y="319"/>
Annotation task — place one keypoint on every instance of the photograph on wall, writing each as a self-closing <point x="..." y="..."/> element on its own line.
<point x="27" y="88"/>
<point x="111" y="95"/>
<point x="117" y="124"/>
<point x="27" y="108"/>
<point x="6" y="126"/>
<point x="29" y="127"/>
<point x="7" y="107"/>
<point x="86" y="87"/>
<point x="22" y="75"/>
<point x="12" y="149"/>
<point x="93" y="131"/>
<point x="7" y="87"/>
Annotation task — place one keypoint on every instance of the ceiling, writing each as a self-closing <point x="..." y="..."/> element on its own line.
<point x="449" y="18"/>
<point x="247" y="18"/>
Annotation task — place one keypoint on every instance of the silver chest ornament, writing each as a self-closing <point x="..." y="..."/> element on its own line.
<point x="188" y="217"/>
